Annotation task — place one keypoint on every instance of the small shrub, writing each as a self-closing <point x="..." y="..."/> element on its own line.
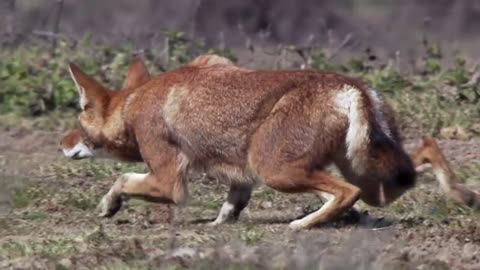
<point x="36" y="81"/>
<point x="80" y="201"/>
<point x="25" y="197"/>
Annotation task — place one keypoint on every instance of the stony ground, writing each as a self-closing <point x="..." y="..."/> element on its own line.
<point x="48" y="220"/>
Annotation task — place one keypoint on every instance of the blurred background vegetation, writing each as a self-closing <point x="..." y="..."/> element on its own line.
<point x="421" y="54"/>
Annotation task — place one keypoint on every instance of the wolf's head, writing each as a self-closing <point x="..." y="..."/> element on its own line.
<point x="100" y="112"/>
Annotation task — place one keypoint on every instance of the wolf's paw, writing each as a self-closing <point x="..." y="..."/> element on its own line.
<point x="297" y="225"/>
<point x="216" y="222"/>
<point x="109" y="205"/>
<point x="223" y="219"/>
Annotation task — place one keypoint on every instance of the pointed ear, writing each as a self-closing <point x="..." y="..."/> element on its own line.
<point x="137" y="74"/>
<point x="89" y="90"/>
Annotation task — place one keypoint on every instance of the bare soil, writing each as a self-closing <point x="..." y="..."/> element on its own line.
<point x="48" y="221"/>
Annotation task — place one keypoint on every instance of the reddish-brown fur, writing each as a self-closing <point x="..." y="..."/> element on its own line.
<point x="280" y="128"/>
<point x="120" y="149"/>
<point x="72" y="138"/>
<point x="427" y="152"/>
<point x="430" y="152"/>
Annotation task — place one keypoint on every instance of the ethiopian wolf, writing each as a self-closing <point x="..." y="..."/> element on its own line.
<point x="278" y="128"/>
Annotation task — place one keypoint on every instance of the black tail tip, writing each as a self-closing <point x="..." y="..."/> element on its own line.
<point x="406" y="177"/>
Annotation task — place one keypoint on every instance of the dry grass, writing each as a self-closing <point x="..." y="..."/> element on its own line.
<point x="49" y="221"/>
<point x="47" y="203"/>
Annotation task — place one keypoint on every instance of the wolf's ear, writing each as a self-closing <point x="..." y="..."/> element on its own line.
<point x="90" y="91"/>
<point x="137" y="74"/>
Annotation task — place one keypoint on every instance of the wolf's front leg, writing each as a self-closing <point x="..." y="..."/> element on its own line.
<point x="146" y="186"/>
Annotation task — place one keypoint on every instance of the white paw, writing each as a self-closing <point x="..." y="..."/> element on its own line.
<point x="213" y="223"/>
<point x="102" y="207"/>
<point x="216" y="222"/>
<point x="297" y="225"/>
<point x="109" y="205"/>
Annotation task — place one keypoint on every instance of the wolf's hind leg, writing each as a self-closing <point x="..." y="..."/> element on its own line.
<point x="237" y="200"/>
<point x="340" y="195"/>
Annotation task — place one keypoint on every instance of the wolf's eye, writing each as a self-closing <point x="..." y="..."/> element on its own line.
<point x="87" y="107"/>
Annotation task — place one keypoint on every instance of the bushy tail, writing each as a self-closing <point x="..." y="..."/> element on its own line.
<point x="356" y="106"/>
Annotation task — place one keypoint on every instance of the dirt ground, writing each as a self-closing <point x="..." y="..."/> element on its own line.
<point x="48" y="220"/>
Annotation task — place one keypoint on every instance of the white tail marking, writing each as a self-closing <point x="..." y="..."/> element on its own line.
<point x="349" y="102"/>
